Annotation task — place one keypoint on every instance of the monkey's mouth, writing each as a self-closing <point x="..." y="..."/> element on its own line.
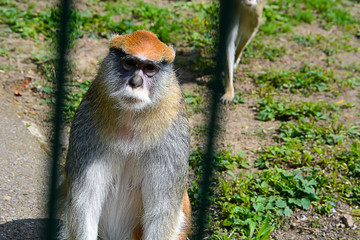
<point x="136" y="96"/>
<point x="132" y="99"/>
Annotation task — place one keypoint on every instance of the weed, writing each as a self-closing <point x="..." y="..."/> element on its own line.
<point x="332" y="134"/>
<point x="286" y="109"/>
<point x="194" y="102"/>
<point x="73" y="98"/>
<point x="250" y="199"/>
<point x="306" y="81"/>
<point x="354" y="67"/>
<point x="352" y="159"/>
<point x="308" y="40"/>
<point x="223" y="160"/>
<point x="238" y="98"/>
<point x="256" y="49"/>
<point x="282" y="15"/>
<point x="200" y="130"/>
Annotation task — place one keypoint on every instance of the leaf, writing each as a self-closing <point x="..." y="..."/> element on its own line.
<point x="305" y="203"/>
<point x="227" y="222"/>
<point x="245" y="165"/>
<point x="296" y="201"/>
<point x="264" y="185"/>
<point x="46" y="89"/>
<point x="312" y="182"/>
<point x="266" y="234"/>
<point x="340" y="102"/>
<point x="269" y="206"/>
<point x="252" y="226"/>
<point x="231" y="174"/>
<point x="309" y="190"/>
<point x="265" y="230"/>
<point x="280" y="203"/>
<point x="259" y="207"/>
<point x="286" y="174"/>
<point x="290" y="191"/>
<point x="264" y="225"/>
<point x="288" y="212"/>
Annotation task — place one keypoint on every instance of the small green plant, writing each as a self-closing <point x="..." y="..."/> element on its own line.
<point x="73" y="98"/>
<point x="257" y="49"/>
<point x="285" y="109"/>
<point x="292" y="153"/>
<point x="306" y="81"/>
<point x="265" y="230"/>
<point x="352" y="159"/>
<point x="251" y="199"/>
<point x="194" y="102"/>
<point x="223" y="160"/>
<point x="238" y="98"/>
<point x="281" y="15"/>
<point x="303" y="130"/>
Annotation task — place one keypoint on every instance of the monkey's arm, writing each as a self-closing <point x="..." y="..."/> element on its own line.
<point x="163" y="187"/>
<point x="87" y="175"/>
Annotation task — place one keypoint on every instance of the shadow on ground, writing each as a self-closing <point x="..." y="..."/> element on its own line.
<point x="23" y="229"/>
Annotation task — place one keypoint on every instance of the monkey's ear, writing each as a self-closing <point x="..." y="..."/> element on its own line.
<point x="173" y="50"/>
<point x="143" y="43"/>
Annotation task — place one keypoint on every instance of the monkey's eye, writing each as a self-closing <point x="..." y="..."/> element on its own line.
<point x="129" y="64"/>
<point x="150" y="69"/>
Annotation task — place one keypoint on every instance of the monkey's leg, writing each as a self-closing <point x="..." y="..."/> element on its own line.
<point x="162" y="192"/>
<point x="229" y="66"/>
<point x="186" y="206"/>
<point x="165" y="220"/>
<point x="84" y="202"/>
<point x="241" y="42"/>
<point x="185" y="228"/>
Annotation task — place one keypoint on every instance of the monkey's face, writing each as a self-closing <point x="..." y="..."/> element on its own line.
<point x="131" y="80"/>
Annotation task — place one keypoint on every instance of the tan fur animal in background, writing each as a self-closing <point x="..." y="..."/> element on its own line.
<point x="245" y="21"/>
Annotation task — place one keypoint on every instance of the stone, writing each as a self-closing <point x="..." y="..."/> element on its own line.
<point x="348" y="220"/>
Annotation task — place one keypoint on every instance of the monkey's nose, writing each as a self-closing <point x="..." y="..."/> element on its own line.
<point x="136" y="82"/>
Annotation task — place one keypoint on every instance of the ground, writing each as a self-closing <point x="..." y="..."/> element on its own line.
<point x="240" y="131"/>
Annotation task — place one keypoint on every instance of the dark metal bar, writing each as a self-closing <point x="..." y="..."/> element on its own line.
<point x="208" y="164"/>
<point x="61" y="72"/>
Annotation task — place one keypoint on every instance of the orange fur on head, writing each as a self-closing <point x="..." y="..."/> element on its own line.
<point x="143" y="43"/>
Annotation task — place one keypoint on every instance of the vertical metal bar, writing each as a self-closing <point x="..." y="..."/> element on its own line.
<point x="63" y="42"/>
<point x="208" y="163"/>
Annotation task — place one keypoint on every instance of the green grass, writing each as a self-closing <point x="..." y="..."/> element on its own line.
<point x="195" y="31"/>
<point x="194" y="102"/>
<point x="245" y="200"/>
<point x="306" y="80"/>
<point x="311" y="164"/>
<point x="284" y="109"/>
<point x="256" y="49"/>
<point x="282" y="15"/>
<point x="330" y="46"/>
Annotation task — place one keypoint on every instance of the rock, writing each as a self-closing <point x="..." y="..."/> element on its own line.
<point x="347" y="220"/>
<point x="303" y="218"/>
<point x="340" y="225"/>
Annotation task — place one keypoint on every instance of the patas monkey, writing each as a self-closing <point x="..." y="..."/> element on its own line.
<point x="245" y="21"/>
<point x="127" y="163"/>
